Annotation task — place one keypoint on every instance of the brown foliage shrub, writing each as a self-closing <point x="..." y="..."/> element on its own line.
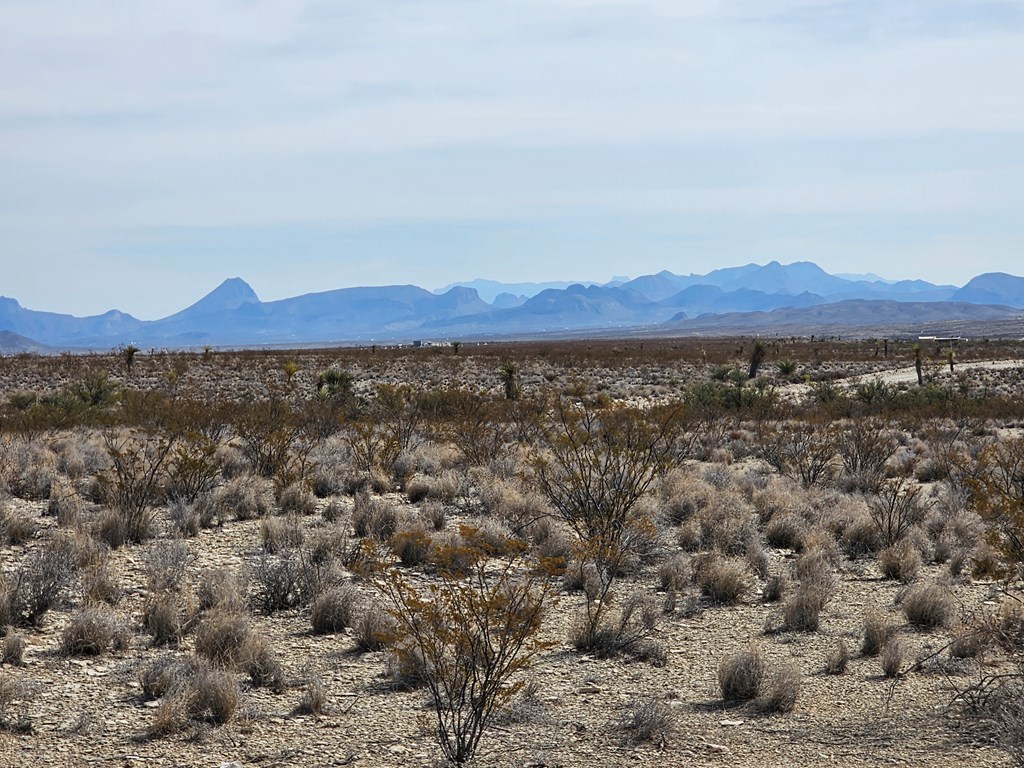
<point x="741" y="675"/>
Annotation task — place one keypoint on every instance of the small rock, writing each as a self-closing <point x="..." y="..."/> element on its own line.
<point x="718" y="749"/>
<point x="590" y="688"/>
<point x="232" y="764"/>
<point x="730" y="723"/>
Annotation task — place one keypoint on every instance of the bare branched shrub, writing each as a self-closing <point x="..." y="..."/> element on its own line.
<point x="132" y="485"/>
<point x="895" y="508"/>
<point x="801" y="451"/>
<point x="865" y="446"/>
<point x="741" y="675"/>
<point x="38" y="584"/>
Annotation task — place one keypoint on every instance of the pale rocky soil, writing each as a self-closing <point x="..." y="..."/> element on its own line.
<point x="90" y="711"/>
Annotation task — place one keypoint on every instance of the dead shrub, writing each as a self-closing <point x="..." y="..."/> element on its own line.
<point x="928" y="606"/>
<point x="781" y="691"/>
<point x="434" y="515"/>
<point x="334" y="609"/>
<point x="741" y="675"/>
<point x="12" y="691"/>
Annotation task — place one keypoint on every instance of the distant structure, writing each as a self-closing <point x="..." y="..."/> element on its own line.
<point x="943" y="339"/>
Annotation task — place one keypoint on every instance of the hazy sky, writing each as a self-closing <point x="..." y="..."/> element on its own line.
<point x="150" y="149"/>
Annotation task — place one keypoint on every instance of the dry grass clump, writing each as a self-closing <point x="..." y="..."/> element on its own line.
<point x="838" y="658"/>
<point x="334" y="610"/>
<point x="740" y="676"/>
<point x="876" y="633"/>
<point x="901" y="561"/>
<point x="12" y="691"/>
<point x="314" y="698"/>
<point x="277" y="534"/>
<point x="261" y="663"/>
<point x="12" y="650"/>
<point x="802" y="611"/>
<point x="93" y="630"/>
<point x="373" y="517"/>
<point x="100" y="584"/>
<point x="775" y="587"/>
<point x="684" y="496"/>
<point x="786" y="531"/>
<point x="162" y="674"/>
<point x="166" y="617"/>
<point x="411" y="546"/>
<point x="221" y="636"/>
<point x="721" y="580"/>
<point x="374" y="630"/>
<point x="223" y="589"/>
<point x="16" y="528"/>
<point x="244" y="497"/>
<point x="929" y="606"/>
<point x="646" y="720"/>
<point x="781" y="691"/>
<point x="296" y="500"/>
<point x="166" y="564"/>
<point x="892" y="658"/>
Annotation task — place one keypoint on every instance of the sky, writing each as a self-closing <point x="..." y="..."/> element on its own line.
<point x="149" y="150"/>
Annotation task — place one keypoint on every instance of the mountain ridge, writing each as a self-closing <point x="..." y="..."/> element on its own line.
<point x="771" y="295"/>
